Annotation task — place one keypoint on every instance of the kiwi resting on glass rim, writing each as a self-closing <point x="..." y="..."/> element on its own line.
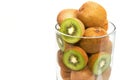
<point x="60" y="62"/>
<point x="104" y="25"/>
<point x="84" y="74"/>
<point x="92" y="14"/>
<point x="66" y="13"/>
<point x="72" y="30"/>
<point x="94" y="45"/>
<point x="99" y="62"/>
<point x="75" y="58"/>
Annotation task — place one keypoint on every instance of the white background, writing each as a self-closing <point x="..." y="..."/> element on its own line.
<point x="27" y="37"/>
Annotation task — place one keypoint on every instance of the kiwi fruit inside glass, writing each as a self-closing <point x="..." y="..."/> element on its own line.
<point x="84" y="42"/>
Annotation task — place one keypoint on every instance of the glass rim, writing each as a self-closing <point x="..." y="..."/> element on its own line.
<point x="113" y="31"/>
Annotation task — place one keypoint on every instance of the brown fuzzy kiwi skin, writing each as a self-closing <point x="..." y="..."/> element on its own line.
<point x="60" y="62"/>
<point x="93" y="45"/>
<point x="105" y="75"/>
<point x="107" y="48"/>
<point x="65" y="75"/>
<point x="66" y="13"/>
<point x="66" y="79"/>
<point x="104" y="25"/>
<point x="92" y="14"/>
<point x="84" y="74"/>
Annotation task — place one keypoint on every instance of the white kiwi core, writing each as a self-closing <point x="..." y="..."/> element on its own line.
<point x="71" y="30"/>
<point x="73" y="59"/>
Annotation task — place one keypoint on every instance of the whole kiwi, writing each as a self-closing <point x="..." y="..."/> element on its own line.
<point x="92" y="14"/>
<point x="95" y="39"/>
<point x="65" y="75"/>
<point x="84" y="74"/>
<point x="104" y="25"/>
<point x="66" y="13"/>
<point x="108" y="47"/>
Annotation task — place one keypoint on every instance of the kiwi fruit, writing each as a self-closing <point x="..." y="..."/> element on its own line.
<point x="60" y="62"/>
<point x="99" y="62"/>
<point x="92" y="14"/>
<point x="72" y="30"/>
<point x="66" y="13"/>
<point x="105" y="75"/>
<point x="65" y="75"/>
<point x="61" y="43"/>
<point x="75" y="58"/>
<point x="66" y="79"/>
<point x="84" y="74"/>
<point x="94" y="41"/>
<point x="104" y="25"/>
<point x="108" y="47"/>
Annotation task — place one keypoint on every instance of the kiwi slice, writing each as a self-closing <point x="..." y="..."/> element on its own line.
<point x="84" y="74"/>
<point x="75" y="58"/>
<point x="99" y="62"/>
<point x="72" y="27"/>
<point x="105" y="75"/>
<point x="61" y="43"/>
<point x="60" y="62"/>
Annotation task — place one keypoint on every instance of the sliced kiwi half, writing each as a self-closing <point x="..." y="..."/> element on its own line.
<point x="105" y="75"/>
<point x="99" y="62"/>
<point x="75" y="58"/>
<point x="61" y="42"/>
<point x="72" y="27"/>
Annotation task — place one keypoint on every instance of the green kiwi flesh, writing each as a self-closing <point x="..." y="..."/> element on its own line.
<point x="99" y="62"/>
<point x="74" y="59"/>
<point x="60" y="41"/>
<point x="71" y="27"/>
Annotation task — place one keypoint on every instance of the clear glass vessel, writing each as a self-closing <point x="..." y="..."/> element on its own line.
<point x="90" y="58"/>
